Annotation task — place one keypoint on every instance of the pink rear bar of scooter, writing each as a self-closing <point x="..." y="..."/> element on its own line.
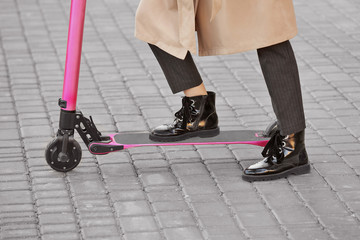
<point x="73" y="53"/>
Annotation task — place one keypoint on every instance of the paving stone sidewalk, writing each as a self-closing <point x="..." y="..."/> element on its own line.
<point x="173" y="193"/>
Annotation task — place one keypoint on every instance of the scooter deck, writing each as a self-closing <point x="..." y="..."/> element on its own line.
<point x="120" y="141"/>
<point x="136" y="139"/>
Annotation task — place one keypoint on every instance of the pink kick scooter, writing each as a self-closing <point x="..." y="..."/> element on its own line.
<point x="64" y="152"/>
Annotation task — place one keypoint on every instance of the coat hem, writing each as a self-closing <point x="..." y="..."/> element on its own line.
<point x="226" y="51"/>
<point x="181" y="52"/>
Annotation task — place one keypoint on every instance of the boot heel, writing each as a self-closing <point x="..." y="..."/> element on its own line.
<point x="209" y="133"/>
<point x="303" y="169"/>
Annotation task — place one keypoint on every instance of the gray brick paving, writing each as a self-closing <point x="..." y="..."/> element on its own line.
<point x="174" y="192"/>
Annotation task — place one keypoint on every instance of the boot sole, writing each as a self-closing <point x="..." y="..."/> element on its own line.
<point x="303" y="169"/>
<point x="201" y="133"/>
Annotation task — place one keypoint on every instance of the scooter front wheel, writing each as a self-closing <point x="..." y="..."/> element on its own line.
<point x="63" y="161"/>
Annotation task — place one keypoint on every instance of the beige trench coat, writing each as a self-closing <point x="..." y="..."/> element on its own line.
<point x="222" y="26"/>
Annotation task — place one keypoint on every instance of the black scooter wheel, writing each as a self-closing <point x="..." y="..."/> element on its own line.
<point x="63" y="162"/>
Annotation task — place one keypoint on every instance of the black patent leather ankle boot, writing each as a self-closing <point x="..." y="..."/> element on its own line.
<point x="196" y="118"/>
<point x="284" y="155"/>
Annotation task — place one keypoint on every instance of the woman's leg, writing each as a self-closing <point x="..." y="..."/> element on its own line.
<point x="197" y="117"/>
<point x="281" y="74"/>
<point x="285" y="153"/>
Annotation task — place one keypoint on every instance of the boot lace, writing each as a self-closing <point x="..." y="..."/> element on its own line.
<point x="274" y="149"/>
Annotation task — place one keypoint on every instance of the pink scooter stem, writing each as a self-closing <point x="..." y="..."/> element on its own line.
<point x="73" y="54"/>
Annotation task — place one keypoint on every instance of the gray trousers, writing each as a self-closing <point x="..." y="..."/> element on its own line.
<point x="281" y="75"/>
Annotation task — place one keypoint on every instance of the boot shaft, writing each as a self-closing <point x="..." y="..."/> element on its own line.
<point x="200" y="112"/>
